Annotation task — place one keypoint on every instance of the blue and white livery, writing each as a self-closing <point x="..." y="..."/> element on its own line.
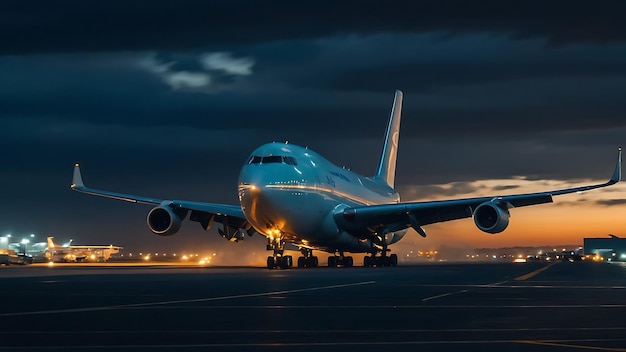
<point x="290" y="194"/>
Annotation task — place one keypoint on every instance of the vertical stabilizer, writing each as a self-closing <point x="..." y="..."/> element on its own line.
<point x="387" y="165"/>
<point x="50" y="243"/>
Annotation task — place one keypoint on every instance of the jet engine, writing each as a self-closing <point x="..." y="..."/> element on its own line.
<point x="491" y="217"/>
<point x="164" y="221"/>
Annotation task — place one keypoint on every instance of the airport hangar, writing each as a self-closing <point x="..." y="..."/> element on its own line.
<point x="612" y="248"/>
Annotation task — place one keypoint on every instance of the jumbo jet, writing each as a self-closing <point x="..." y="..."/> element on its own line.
<point x="290" y="194"/>
<point x="74" y="253"/>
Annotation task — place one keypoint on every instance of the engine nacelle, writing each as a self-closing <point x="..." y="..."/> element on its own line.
<point x="163" y="221"/>
<point x="491" y="217"/>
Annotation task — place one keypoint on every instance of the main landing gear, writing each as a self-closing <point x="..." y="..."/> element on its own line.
<point x="340" y="260"/>
<point x="307" y="260"/>
<point x="283" y="262"/>
<point x="383" y="260"/>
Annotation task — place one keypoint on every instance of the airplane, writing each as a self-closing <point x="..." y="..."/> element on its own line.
<point x="290" y="194"/>
<point x="72" y="253"/>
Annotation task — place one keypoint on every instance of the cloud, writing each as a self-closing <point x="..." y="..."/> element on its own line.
<point x="226" y="63"/>
<point x="175" y="79"/>
<point x="610" y="202"/>
<point x="185" y="79"/>
<point x="212" y="63"/>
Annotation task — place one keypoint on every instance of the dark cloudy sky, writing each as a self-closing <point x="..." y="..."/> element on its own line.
<point x="167" y="98"/>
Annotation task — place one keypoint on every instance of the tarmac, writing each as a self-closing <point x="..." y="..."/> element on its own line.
<point x="534" y="306"/>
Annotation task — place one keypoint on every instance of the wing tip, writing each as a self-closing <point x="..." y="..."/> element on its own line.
<point x="617" y="174"/>
<point x="77" y="179"/>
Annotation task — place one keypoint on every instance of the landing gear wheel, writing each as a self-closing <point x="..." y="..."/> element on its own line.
<point x="282" y="263"/>
<point x="288" y="261"/>
<point x="367" y="261"/>
<point x="332" y="262"/>
<point x="271" y="264"/>
<point x="312" y="262"/>
<point x="301" y="262"/>
<point x="348" y="262"/>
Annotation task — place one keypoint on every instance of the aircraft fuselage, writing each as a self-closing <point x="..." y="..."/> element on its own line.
<point x="291" y="192"/>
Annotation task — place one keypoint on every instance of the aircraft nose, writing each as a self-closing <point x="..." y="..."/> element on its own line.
<point x="250" y="188"/>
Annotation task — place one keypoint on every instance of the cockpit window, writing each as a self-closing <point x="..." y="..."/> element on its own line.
<point x="273" y="159"/>
<point x="290" y="160"/>
<point x="254" y="160"/>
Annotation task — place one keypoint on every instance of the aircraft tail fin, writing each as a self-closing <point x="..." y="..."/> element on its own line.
<point x="50" y="242"/>
<point x="387" y="165"/>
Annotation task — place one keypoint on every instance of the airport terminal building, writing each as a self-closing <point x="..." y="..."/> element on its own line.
<point x="611" y="248"/>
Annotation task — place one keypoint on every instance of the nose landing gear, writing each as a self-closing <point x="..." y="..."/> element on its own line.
<point x="278" y="260"/>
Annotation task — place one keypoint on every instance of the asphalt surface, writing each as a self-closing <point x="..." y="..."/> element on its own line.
<point x="432" y="307"/>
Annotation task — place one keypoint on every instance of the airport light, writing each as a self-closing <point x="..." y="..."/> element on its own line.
<point x="25" y="242"/>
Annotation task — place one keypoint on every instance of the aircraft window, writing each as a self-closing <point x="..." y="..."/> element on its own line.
<point x="272" y="159"/>
<point x="290" y="160"/>
<point x="254" y="160"/>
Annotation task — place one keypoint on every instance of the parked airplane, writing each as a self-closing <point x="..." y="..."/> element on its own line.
<point x="70" y="253"/>
<point x="290" y="194"/>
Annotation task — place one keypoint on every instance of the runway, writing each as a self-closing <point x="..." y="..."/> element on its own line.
<point x="533" y="306"/>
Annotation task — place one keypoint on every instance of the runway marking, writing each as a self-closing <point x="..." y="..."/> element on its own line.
<point x="441" y="295"/>
<point x="496" y="284"/>
<point x="582" y="347"/>
<point x="221" y="298"/>
<point x="532" y="274"/>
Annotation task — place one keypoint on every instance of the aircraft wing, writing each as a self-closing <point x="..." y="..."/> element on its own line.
<point x="205" y="213"/>
<point x="416" y="214"/>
